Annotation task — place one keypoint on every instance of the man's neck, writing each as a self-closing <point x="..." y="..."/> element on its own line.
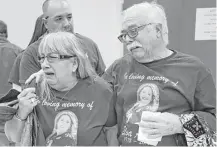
<point x="157" y="53"/>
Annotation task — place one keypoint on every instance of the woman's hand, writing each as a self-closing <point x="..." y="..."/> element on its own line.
<point x="38" y="77"/>
<point x="161" y="124"/>
<point x="27" y="101"/>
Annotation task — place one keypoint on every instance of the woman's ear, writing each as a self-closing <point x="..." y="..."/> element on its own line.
<point x="75" y="64"/>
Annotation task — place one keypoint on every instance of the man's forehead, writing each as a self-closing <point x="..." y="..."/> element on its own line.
<point x="130" y="24"/>
<point x="58" y="8"/>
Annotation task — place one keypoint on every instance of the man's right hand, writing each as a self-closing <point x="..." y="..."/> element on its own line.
<point x="38" y="77"/>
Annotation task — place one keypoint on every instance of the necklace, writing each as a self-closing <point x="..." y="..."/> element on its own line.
<point x="64" y="96"/>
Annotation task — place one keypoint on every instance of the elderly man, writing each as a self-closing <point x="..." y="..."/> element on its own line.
<point x="178" y="105"/>
<point x="58" y="17"/>
<point x="8" y="54"/>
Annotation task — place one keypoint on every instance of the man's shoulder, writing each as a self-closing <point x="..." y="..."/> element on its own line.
<point x="32" y="48"/>
<point x="189" y="59"/>
<point x="124" y="61"/>
<point x="84" y="38"/>
<point x="12" y="47"/>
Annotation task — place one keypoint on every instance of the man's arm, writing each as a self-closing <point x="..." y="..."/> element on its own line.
<point x="201" y="123"/>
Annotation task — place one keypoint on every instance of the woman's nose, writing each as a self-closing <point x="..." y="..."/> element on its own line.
<point x="45" y="64"/>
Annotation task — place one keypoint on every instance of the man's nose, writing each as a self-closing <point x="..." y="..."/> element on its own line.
<point x="128" y="40"/>
<point x="66" y="22"/>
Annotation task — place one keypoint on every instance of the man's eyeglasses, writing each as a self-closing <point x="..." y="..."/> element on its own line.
<point x="132" y="33"/>
<point x="53" y="57"/>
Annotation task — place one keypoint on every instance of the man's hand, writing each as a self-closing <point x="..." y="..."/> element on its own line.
<point x="161" y="125"/>
<point x="38" y="77"/>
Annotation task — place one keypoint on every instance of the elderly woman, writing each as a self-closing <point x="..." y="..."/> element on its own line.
<point x="187" y="95"/>
<point x="69" y="84"/>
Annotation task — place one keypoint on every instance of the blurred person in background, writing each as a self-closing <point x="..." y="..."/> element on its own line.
<point x="8" y="54"/>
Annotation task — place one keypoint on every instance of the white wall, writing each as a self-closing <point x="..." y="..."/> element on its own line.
<point x="100" y="20"/>
<point x="20" y="16"/>
<point x="96" y="19"/>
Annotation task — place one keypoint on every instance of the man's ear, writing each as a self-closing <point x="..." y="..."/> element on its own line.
<point x="158" y="30"/>
<point x="45" y="22"/>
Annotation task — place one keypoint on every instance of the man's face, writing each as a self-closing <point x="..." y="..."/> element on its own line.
<point x="59" y="17"/>
<point x="141" y="45"/>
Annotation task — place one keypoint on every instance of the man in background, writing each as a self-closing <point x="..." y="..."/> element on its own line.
<point x="8" y="54"/>
<point x="58" y="17"/>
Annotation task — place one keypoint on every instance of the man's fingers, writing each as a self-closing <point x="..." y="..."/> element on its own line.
<point x="25" y="92"/>
<point x="151" y="131"/>
<point x="144" y="124"/>
<point x="30" y="78"/>
<point x="39" y="76"/>
<point x="152" y="118"/>
<point x="154" y="136"/>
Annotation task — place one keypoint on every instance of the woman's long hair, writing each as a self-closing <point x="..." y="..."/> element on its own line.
<point x="68" y="44"/>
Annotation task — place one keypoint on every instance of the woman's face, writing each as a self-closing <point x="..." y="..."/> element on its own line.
<point x="146" y="95"/>
<point x="63" y="124"/>
<point x="58" y="71"/>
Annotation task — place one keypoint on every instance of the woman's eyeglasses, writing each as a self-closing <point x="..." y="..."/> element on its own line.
<point x="132" y="33"/>
<point x="53" y="57"/>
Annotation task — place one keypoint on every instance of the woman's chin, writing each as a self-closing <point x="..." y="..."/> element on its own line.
<point x="51" y="82"/>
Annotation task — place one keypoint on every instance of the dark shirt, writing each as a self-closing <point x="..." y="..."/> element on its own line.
<point x="180" y="84"/>
<point x="8" y="54"/>
<point x="14" y="74"/>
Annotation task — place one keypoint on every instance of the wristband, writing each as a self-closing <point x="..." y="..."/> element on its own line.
<point x="16" y="116"/>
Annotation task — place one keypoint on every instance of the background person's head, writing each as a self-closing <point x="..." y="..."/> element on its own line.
<point x="63" y="60"/>
<point x="3" y="29"/>
<point x="39" y="30"/>
<point x="144" y="29"/>
<point x="58" y="15"/>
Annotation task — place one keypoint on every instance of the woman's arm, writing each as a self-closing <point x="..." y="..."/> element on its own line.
<point x="14" y="129"/>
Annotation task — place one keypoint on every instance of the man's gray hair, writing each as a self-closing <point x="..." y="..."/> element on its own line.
<point x="148" y="12"/>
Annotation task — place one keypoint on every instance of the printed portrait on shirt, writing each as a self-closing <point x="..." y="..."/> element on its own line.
<point x="147" y="100"/>
<point x="65" y="130"/>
